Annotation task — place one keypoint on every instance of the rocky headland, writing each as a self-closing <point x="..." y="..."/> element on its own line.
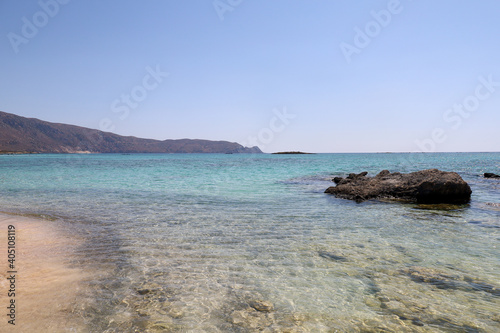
<point x="20" y="135"/>
<point x="427" y="186"/>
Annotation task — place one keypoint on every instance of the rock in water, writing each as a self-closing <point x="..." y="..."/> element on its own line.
<point x="331" y="256"/>
<point x="337" y="180"/>
<point x="262" y="306"/>
<point x="445" y="281"/>
<point x="491" y="175"/>
<point x="426" y="186"/>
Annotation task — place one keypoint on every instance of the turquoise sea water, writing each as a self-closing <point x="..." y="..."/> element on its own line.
<point x="191" y="243"/>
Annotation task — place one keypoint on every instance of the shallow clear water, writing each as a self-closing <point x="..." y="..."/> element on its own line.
<point x="188" y="243"/>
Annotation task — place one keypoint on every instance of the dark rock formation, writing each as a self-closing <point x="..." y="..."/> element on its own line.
<point x="292" y="153"/>
<point x="491" y="175"/>
<point x="337" y="180"/>
<point x="427" y="186"/>
<point x="29" y="135"/>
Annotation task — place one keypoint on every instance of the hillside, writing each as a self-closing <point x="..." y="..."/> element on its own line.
<point x="30" y="135"/>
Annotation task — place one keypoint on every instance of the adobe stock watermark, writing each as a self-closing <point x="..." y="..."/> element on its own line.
<point x="93" y="140"/>
<point x="266" y="135"/>
<point x="455" y="115"/>
<point x="373" y="28"/>
<point x="31" y="26"/>
<point x="277" y="124"/>
<point x="223" y="6"/>
<point x="130" y="101"/>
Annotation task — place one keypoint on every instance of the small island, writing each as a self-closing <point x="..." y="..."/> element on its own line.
<point x="291" y="153"/>
<point x="15" y="152"/>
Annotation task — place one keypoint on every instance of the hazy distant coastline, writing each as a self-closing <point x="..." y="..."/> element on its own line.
<point x="20" y="135"/>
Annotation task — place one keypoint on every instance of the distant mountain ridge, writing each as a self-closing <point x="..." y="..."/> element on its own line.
<point x="31" y="135"/>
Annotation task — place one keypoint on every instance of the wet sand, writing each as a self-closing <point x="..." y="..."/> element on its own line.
<point x="47" y="285"/>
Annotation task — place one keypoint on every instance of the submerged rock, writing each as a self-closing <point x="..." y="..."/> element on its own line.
<point x="331" y="256"/>
<point x="446" y="281"/>
<point x="427" y="186"/>
<point x="262" y="306"/>
<point x="143" y="291"/>
<point x="432" y="276"/>
<point x="424" y="309"/>
<point x="251" y="319"/>
<point x="491" y="175"/>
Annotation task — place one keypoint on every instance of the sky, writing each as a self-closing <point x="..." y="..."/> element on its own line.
<point x="315" y="76"/>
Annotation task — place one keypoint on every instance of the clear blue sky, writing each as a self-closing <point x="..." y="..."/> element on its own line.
<point x="414" y="69"/>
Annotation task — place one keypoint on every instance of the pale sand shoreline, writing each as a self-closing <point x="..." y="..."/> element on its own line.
<point x="47" y="286"/>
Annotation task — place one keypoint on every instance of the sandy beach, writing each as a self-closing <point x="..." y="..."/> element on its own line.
<point x="42" y="284"/>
